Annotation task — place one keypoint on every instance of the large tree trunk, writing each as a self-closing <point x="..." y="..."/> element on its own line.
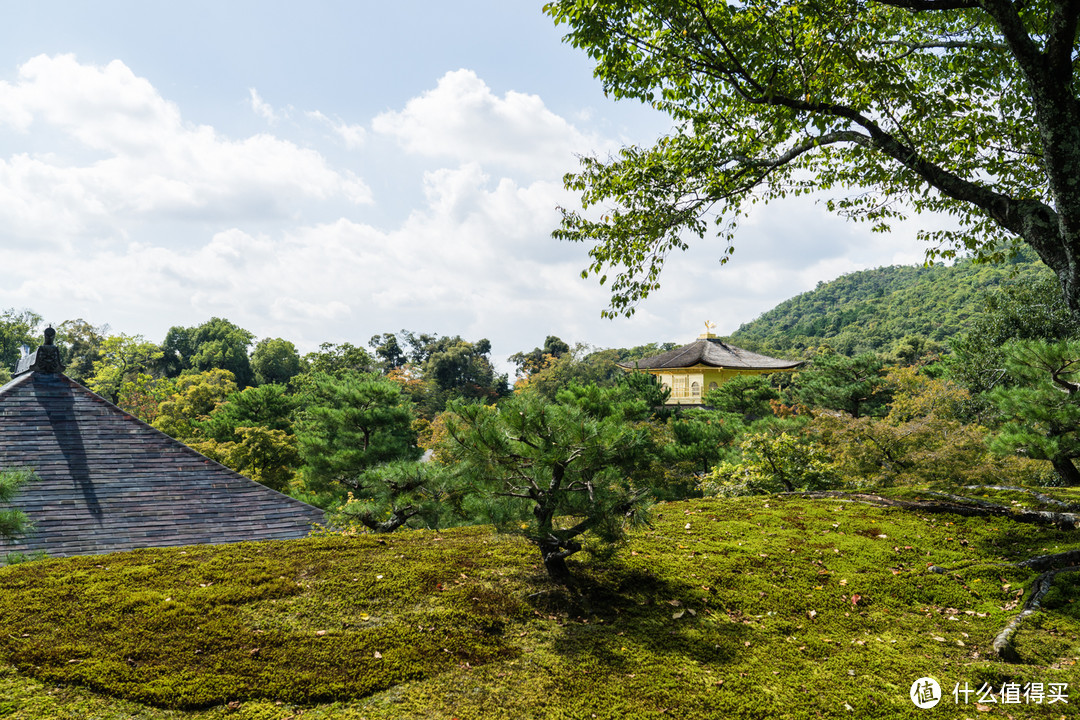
<point x="556" y="568"/>
<point x="554" y="553"/>
<point x="1067" y="471"/>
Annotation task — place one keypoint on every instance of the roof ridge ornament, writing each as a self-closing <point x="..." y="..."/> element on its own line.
<point x="46" y="359"/>
<point x="709" y="327"/>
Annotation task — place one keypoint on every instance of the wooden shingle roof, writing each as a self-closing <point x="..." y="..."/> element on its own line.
<point x="714" y="352"/>
<point x="110" y="482"/>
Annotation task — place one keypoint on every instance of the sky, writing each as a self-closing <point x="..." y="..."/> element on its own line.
<point x="328" y="171"/>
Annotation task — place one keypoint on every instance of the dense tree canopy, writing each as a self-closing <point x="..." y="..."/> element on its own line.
<point x="537" y="359"/>
<point x="1043" y="406"/>
<point x="337" y="359"/>
<point x="266" y="406"/>
<point x="216" y="344"/>
<point x="852" y="384"/>
<point x="350" y="424"/>
<point x="274" y="361"/>
<point x="967" y="107"/>
<point x="17" y="328"/>
<point x="435" y="369"/>
<point x="1032" y="310"/>
<point x="81" y="344"/>
<point x="194" y="398"/>
<point x="582" y="364"/>
<point x="884" y="309"/>
<point x="388" y="350"/>
<point x="461" y="368"/>
<point x="747" y="395"/>
<point x="120" y="359"/>
<point x="401" y="494"/>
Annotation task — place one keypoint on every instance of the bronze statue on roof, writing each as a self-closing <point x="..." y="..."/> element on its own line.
<point x="46" y="359"/>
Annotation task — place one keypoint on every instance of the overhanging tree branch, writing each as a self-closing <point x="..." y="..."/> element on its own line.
<point x="984" y="125"/>
<point x="930" y="5"/>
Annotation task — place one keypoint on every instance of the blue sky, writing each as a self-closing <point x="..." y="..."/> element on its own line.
<point x="326" y="171"/>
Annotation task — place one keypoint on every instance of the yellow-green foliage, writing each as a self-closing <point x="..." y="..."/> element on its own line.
<point x="921" y="440"/>
<point x="762" y="607"/>
<point x="773" y="463"/>
<point x="263" y="454"/>
<point x="194" y="398"/>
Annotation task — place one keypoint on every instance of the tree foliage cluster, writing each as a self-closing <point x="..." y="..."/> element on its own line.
<point x="575" y="454"/>
<point x="904" y="312"/>
<point x="312" y="425"/>
<point x="536" y="465"/>
<point x="885" y="107"/>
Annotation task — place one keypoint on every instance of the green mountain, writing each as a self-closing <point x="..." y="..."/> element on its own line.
<point x="879" y="310"/>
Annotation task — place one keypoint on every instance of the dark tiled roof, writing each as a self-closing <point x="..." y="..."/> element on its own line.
<point x="713" y="352"/>
<point x="110" y="482"/>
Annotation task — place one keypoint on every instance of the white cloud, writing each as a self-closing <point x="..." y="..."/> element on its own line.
<point x="131" y="155"/>
<point x="477" y="259"/>
<point x="353" y="136"/>
<point x="463" y="120"/>
<point x="262" y="108"/>
<point x="125" y="174"/>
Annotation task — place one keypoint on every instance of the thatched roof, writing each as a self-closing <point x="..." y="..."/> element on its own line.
<point x="109" y="481"/>
<point x="713" y="352"/>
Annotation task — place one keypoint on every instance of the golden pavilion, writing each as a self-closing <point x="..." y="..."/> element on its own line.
<point x="705" y="364"/>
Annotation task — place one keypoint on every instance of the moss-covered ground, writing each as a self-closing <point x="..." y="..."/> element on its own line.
<point x="762" y="607"/>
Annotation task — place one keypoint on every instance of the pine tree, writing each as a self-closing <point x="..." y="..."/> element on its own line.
<point x="1044" y="405"/>
<point x="550" y="472"/>
<point x="351" y="424"/>
<point x="852" y="384"/>
<point x="13" y="522"/>
<point x="402" y="493"/>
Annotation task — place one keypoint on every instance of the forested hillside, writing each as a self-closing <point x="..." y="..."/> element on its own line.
<point x="877" y="310"/>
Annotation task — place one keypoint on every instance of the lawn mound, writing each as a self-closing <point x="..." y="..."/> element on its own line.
<point x="756" y="607"/>
<point x="324" y="619"/>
